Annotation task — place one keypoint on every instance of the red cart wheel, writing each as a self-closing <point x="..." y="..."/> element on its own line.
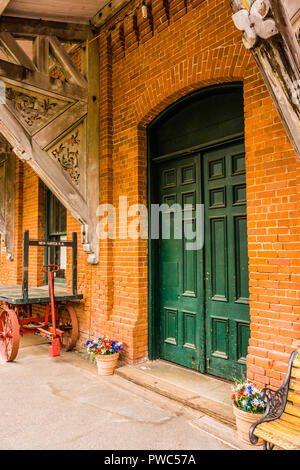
<point x="9" y="335"/>
<point x="67" y="322"/>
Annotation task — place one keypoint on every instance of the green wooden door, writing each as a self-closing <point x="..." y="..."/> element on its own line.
<point x="180" y="270"/>
<point x="203" y="294"/>
<point x="226" y="261"/>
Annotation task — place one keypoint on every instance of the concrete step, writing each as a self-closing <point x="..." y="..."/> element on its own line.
<point x="198" y="391"/>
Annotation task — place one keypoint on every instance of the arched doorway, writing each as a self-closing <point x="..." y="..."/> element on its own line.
<point x="199" y="298"/>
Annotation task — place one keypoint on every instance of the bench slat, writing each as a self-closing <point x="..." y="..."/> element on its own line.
<point x="291" y="429"/>
<point x="296" y="362"/>
<point x="283" y="443"/>
<point x="281" y="430"/>
<point x="290" y="419"/>
<point x="292" y="410"/>
<point x="295" y="385"/>
<point x="295" y="373"/>
<point x="294" y="397"/>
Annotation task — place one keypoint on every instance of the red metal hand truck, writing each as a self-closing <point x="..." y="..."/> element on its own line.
<point x="54" y="349"/>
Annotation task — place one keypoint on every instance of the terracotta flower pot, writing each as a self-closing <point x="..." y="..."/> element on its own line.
<point x="244" y="422"/>
<point x="106" y="364"/>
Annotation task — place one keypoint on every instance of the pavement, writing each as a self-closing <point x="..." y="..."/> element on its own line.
<point x="201" y="392"/>
<point x="62" y="404"/>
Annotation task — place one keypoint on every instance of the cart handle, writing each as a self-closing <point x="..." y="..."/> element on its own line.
<point x="50" y="266"/>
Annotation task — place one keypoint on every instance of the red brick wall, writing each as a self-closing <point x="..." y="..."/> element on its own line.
<point x="145" y="66"/>
<point x="273" y="173"/>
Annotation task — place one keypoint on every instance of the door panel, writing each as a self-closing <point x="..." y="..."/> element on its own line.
<point x="180" y="270"/>
<point x="226" y="261"/>
<point x="203" y="294"/>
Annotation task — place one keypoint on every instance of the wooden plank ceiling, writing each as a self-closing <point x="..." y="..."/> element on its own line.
<point x="70" y="11"/>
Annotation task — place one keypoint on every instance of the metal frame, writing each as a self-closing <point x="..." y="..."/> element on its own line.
<point x="16" y="313"/>
<point x="41" y="243"/>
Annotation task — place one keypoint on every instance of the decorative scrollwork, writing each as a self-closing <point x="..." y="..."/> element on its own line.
<point x="34" y="109"/>
<point x="275" y="402"/>
<point x="67" y="154"/>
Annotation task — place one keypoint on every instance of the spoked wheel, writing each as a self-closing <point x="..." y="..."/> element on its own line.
<point x="67" y="322"/>
<point x="9" y="335"/>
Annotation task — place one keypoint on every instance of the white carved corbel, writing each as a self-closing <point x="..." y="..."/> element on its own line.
<point x="269" y="34"/>
<point x="255" y="23"/>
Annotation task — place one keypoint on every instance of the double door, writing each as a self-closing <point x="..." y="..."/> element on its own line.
<point x="203" y="261"/>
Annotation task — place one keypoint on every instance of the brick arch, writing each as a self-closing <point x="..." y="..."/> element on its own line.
<point x="231" y="69"/>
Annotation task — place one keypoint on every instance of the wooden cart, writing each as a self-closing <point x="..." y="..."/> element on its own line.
<point x="59" y="323"/>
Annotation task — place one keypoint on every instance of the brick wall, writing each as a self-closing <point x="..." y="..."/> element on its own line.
<point x="273" y="236"/>
<point x="146" y="65"/>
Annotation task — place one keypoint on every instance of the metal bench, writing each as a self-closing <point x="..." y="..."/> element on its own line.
<point x="280" y="425"/>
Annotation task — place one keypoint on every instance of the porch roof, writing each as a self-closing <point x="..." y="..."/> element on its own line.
<point x="95" y="12"/>
<point x="76" y="11"/>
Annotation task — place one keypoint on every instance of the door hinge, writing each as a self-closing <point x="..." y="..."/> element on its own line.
<point x="208" y="363"/>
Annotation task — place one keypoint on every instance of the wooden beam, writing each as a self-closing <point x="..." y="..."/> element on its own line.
<point x="285" y="28"/>
<point x="108" y="11"/>
<point x="41" y="54"/>
<point x="3" y="5"/>
<point x="7" y="202"/>
<point x="28" y="28"/>
<point x="64" y="60"/>
<point x="15" y="51"/>
<point x="60" y="124"/>
<point x="91" y="67"/>
<point x="44" y="166"/>
<point x="36" y="81"/>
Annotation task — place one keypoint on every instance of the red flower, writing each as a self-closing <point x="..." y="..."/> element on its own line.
<point x="233" y="397"/>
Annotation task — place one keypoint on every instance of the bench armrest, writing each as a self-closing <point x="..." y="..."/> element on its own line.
<point x="276" y="401"/>
<point x="275" y="406"/>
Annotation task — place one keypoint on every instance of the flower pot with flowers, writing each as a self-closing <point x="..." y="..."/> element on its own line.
<point x="106" y="353"/>
<point x="247" y="407"/>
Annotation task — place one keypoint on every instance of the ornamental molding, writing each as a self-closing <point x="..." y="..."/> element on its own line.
<point x="67" y="155"/>
<point x="268" y="33"/>
<point x="256" y="22"/>
<point x="34" y="110"/>
<point x="53" y="123"/>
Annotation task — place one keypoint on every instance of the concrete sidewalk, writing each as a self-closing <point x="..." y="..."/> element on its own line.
<point x="62" y="403"/>
<point x="200" y="392"/>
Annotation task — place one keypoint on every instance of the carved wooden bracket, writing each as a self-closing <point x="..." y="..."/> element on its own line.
<point x="268" y="32"/>
<point x="47" y="122"/>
